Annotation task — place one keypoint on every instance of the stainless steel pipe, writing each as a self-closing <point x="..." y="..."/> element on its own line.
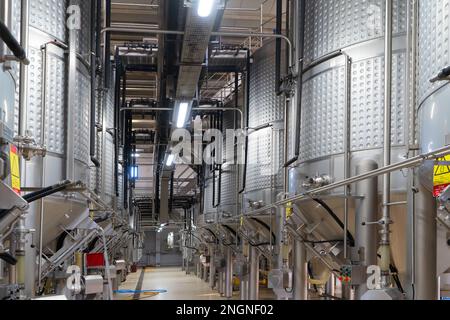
<point x="385" y="230"/>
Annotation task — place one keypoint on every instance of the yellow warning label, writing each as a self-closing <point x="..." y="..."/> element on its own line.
<point x="15" y="168"/>
<point x="441" y="177"/>
<point x="289" y="211"/>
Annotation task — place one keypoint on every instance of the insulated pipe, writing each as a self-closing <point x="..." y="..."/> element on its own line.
<point x="366" y="234"/>
<point x="300" y="271"/>
<point x="253" y="286"/>
<point x="229" y="273"/>
<point x="13" y="44"/>
<point x="425" y="249"/>
<point x="385" y="230"/>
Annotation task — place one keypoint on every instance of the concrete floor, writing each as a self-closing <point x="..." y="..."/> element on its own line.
<point x="179" y="286"/>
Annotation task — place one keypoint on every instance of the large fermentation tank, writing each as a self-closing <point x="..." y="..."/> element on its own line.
<point x="56" y="115"/>
<point x="433" y="102"/>
<point x="264" y="180"/>
<point x="356" y="28"/>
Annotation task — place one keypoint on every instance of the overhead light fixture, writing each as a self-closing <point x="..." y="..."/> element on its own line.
<point x="134" y="172"/>
<point x="205" y="8"/>
<point x="170" y="160"/>
<point x="135" y="155"/>
<point x="183" y="109"/>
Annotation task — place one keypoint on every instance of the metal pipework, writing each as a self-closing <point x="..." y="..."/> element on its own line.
<point x="425" y="249"/>
<point x="385" y="229"/>
<point x="366" y="235"/>
<point x="23" y="88"/>
<point x="253" y="286"/>
<point x="409" y="163"/>
<point x="347" y="146"/>
<point x="229" y="273"/>
<point x="213" y="34"/>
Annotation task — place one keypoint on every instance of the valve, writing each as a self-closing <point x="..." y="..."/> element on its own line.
<point x="28" y="147"/>
<point x="317" y="182"/>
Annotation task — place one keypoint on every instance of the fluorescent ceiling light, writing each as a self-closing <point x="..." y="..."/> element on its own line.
<point x="182" y="114"/>
<point x="135" y="155"/>
<point x="205" y="8"/>
<point x="170" y="159"/>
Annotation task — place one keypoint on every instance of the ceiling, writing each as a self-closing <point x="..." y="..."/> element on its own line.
<point x="239" y="16"/>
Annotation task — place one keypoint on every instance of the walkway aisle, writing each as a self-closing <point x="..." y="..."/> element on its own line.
<point x="178" y="285"/>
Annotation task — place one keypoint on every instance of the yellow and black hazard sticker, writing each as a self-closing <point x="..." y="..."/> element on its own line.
<point x="15" y="168"/>
<point x="441" y="177"/>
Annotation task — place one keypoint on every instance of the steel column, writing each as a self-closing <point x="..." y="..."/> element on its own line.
<point x="425" y="248"/>
<point x="229" y="273"/>
<point x="254" y="274"/>
<point x="300" y="271"/>
<point x="366" y="234"/>
<point x="212" y="269"/>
